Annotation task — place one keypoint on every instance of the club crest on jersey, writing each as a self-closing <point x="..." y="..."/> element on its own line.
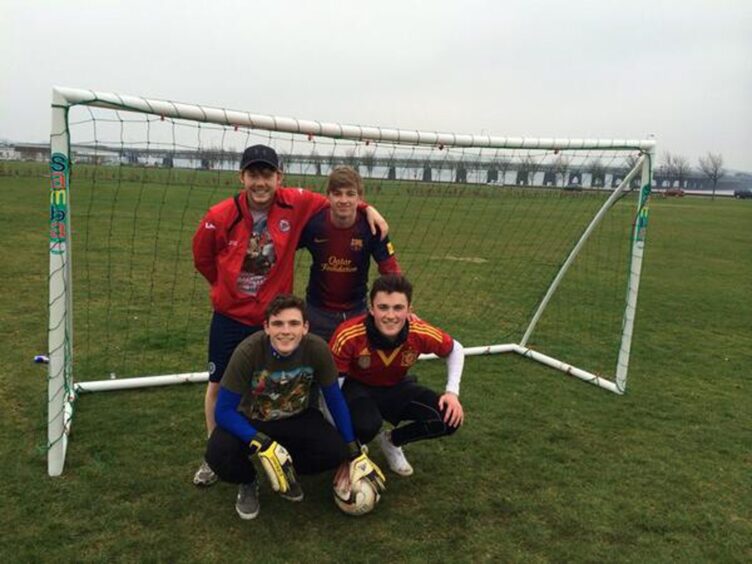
<point x="356" y="244"/>
<point x="364" y="361"/>
<point x="284" y="225"/>
<point x="409" y="357"/>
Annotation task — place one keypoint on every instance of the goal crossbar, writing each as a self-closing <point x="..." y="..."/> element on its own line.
<point x="66" y="97"/>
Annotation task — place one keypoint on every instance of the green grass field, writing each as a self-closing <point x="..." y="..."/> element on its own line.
<point x="546" y="469"/>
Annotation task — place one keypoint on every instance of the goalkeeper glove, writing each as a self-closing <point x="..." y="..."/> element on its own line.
<point x="276" y="461"/>
<point x="362" y="467"/>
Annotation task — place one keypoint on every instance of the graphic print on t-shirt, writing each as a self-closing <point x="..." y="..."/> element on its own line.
<point x="281" y="393"/>
<point x="259" y="258"/>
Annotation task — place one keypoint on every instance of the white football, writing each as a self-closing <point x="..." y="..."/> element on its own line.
<point x="360" y="499"/>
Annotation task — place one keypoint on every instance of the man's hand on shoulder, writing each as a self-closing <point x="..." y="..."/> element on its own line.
<point x="376" y="222"/>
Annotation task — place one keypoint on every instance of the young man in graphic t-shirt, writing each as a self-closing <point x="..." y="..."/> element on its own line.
<point x="264" y="409"/>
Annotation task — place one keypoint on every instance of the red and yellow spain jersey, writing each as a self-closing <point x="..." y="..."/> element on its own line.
<point x="376" y="367"/>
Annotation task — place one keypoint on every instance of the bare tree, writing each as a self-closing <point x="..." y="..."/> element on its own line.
<point x="561" y="166"/>
<point x="676" y="168"/>
<point x="533" y="166"/>
<point x="504" y="163"/>
<point x="682" y="169"/>
<point x="209" y="156"/>
<point x="526" y="170"/>
<point x="712" y="167"/>
<point x="597" y="173"/>
<point x="666" y="168"/>
<point x="351" y="157"/>
<point x="629" y="163"/>
<point x="369" y="160"/>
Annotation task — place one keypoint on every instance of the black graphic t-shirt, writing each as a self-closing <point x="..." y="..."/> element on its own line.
<point x="274" y="387"/>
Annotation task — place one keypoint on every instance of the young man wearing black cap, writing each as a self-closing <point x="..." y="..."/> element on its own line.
<point x="245" y="248"/>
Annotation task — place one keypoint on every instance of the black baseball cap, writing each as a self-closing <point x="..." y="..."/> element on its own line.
<point x="259" y="154"/>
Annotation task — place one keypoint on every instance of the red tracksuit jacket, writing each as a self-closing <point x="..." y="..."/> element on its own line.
<point x="221" y="241"/>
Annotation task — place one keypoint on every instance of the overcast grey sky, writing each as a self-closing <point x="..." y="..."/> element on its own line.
<point x="679" y="69"/>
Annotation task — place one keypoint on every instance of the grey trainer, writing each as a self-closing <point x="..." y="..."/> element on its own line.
<point x="247" y="504"/>
<point x="204" y="476"/>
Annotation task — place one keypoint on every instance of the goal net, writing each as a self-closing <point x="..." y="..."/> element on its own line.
<point x="531" y="246"/>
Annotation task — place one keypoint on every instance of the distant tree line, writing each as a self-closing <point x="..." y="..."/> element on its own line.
<point x="677" y="169"/>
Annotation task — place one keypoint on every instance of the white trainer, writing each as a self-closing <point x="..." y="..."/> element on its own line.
<point x="394" y="455"/>
<point x="204" y="476"/>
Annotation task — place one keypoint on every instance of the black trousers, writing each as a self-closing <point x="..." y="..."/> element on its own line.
<point x="407" y="401"/>
<point x="314" y="444"/>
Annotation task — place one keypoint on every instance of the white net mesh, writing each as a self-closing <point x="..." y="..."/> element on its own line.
<point x="481" y="232"/>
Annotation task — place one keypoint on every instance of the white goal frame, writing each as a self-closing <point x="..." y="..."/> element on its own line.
<point x="61" y="388"/>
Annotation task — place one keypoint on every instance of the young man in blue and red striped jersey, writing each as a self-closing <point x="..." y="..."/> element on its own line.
<point x="375" y="351"/>
<point x="341" y="244"/>
<point x="245" y="248"/>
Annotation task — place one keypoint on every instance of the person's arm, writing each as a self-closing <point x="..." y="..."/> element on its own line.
<point x="305" y="236"/>
<point x="205" y="249"/>
<point x="317" y="201"/>
<point x="358" y="466"/>
<point x="230" y="419"/>
<point x="326" y="372"/>
<point x="335" y="401"/>
<point x="455" y="362"/>
<point x="383" y="253"/>
<point x="312" y="202"/>
<point x="389" y="266"/>
<point x="275" y="460"/>
<point x="235" y="381"/>
<point x="449" y="402"/>
<point x="376" y="221"/>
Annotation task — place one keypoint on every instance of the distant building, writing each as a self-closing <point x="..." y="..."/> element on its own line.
<point x="32" y="152"/>
<point x="8" y="153"/>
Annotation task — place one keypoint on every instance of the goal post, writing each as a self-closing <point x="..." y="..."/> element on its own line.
<point x="60" y="395"/>
<point x="531" y="246"/>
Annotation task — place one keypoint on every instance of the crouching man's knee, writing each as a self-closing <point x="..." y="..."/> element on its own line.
<point x="229" y="457"/>
<point x="438" y="428"/>
<point x="366" y="420"/>
<point x="449" y="430"/>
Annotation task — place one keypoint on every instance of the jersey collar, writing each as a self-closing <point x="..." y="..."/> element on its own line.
<point x="378" y="341"/>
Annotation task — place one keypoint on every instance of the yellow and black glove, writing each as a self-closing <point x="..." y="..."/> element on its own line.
<point x="362" y="467"/>
<point x="276" y="461"/>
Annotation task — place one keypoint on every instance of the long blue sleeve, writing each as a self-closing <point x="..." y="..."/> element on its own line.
<point x="335" y="401"/>
<point x="227" y="416"/>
